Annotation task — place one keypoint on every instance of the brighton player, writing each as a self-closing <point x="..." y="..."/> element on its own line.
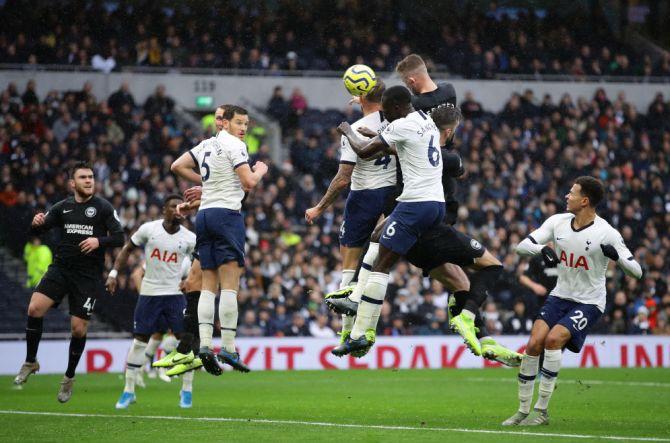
<point x="420" y="206"/>
<point x="372" y="195"/>
<point x="88" y="225"/>
<point x="584" y="245"/>
<point x="167" y="245"/>
<point x="226" y="175"/>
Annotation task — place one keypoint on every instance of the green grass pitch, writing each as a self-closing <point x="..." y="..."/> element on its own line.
<point x="386" y="405"/>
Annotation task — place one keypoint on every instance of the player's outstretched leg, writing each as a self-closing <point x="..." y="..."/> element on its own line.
<point x="77" y="345"/>
<point x="228" y="316"/>
<point x="39" y="305"/>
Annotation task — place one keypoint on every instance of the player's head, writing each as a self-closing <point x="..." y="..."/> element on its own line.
<point x="82" y="180"/>
<point x="396" y="102"/>
<point x="170" y="208"/>
<point x="586" y="192"/>
<point x="238" y="121"/>
<point x="219" y="121"/>
<point x="413" y="72"/>
<point x="375" y="94"/>
<point x="447" y="117"/>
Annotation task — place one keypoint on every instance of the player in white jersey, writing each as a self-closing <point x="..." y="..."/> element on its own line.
<point x="420" y="206"/>
<point x="226" y="175"/>
<point x="166" y="245"/>
<point x="182" y="359"/>
<point x="372" y="195"/>
<point x="584" y="245"/>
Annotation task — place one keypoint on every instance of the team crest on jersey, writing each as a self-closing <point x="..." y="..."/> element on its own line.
<point x="588" y="244"/>
<point x="90" y="212"/>
<point x="475" y="244"/>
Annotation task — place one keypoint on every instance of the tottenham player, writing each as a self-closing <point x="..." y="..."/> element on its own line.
<point x="226" y="175"/>
<point x="584" y="245"/>
<point x="182" y="360"/>
<point x="88" y="225"/>
<point x="372" y="195"/>
<point x="166" y="245"/>
<point x="420" y="206"/>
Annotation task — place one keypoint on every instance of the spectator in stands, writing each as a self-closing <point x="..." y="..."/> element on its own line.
<point x="37" y="258"/>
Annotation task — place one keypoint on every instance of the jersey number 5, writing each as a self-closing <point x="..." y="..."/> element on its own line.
<point x="205" y="166"/>
<point x="433" y="153"/>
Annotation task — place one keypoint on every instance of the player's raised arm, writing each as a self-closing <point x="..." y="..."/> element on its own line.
<point x="365" y="149"/>
<point x="43" y="222"/>
<point x="185" y="166"/>
<point x="337" y="185"/>
<point x="249" y="178"/>
<point x="617" y="251"/>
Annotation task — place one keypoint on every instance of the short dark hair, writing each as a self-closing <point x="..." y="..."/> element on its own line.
<point x="79" y="165"/>
<point x="410" y="64"/>
<point x="397" y="95"/>
<point x="375" y="94"/>
<point x="592" y="188"/>
<point x="169" y="197"/>
<point x="231" y="110"/>
<point x="446" y="115"/>
<point x="224" y="107"/>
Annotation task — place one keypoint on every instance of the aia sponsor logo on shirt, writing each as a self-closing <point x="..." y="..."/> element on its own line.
<point x="165" y="256"/>
<point x="574" y="261"/>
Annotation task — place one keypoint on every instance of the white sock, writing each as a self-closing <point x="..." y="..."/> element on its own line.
<point x="134" y="363"/>
<point x="363" y="274"/>
<point x="187" y="381"/>
<point x="169" y="343"/>
<point x="549" y="373"/>
<point x="228" y="318"/>
<point x="151" y="347"/>
<point x="206" y="306"/>
<point x="371" y="303"/>
<point x="347" y="320"/>
<point x="527" y="374"/>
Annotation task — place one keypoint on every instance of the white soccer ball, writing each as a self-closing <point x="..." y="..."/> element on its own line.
<point x="359" y="79"/>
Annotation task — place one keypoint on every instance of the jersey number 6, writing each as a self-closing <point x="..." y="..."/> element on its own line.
<point x="433" y="153"/>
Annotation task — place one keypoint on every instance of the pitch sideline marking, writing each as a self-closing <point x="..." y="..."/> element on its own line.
<point x="333" y="425"/>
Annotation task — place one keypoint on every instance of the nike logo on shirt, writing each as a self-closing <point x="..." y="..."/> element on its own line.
<point x="69" y="210"/>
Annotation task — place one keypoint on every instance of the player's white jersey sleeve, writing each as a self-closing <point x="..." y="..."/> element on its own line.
<point x="417" y="141"/>
<point x="140" y="237"/>
<point x="221" y="187"/>
<point x="582" y="265"/>
<point x="626" y="259"/>
<point x="545" y="233"/>
<point x="164" y="257"/>
<point x="186" y="267"/>
<point x="369" y="174"/>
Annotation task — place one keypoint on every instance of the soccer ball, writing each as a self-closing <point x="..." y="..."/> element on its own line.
<point x="359" y="79"/>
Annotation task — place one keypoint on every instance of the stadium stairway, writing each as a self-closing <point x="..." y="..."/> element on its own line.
<point x="14" y="298"/>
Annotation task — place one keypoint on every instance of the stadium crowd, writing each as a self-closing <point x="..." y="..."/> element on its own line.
<point x="519" y="164"/>
<point x="284" y="35"/>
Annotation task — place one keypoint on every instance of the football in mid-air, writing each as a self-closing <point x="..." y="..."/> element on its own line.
<point x="359" y="79"/>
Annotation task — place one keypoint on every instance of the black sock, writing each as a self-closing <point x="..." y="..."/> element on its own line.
<point x="481" y="284"/>
<point x="481" y="326"/>
<point x="33" y="337"/>
<point x="461" y="297"/>
<point x="77" y="345"/>
<point x="191" y="335"/>
<point x="185" y="342"/>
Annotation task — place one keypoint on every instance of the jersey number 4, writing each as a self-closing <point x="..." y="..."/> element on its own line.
<point x="205" y="166"/>
<point x="385" y="160"/>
